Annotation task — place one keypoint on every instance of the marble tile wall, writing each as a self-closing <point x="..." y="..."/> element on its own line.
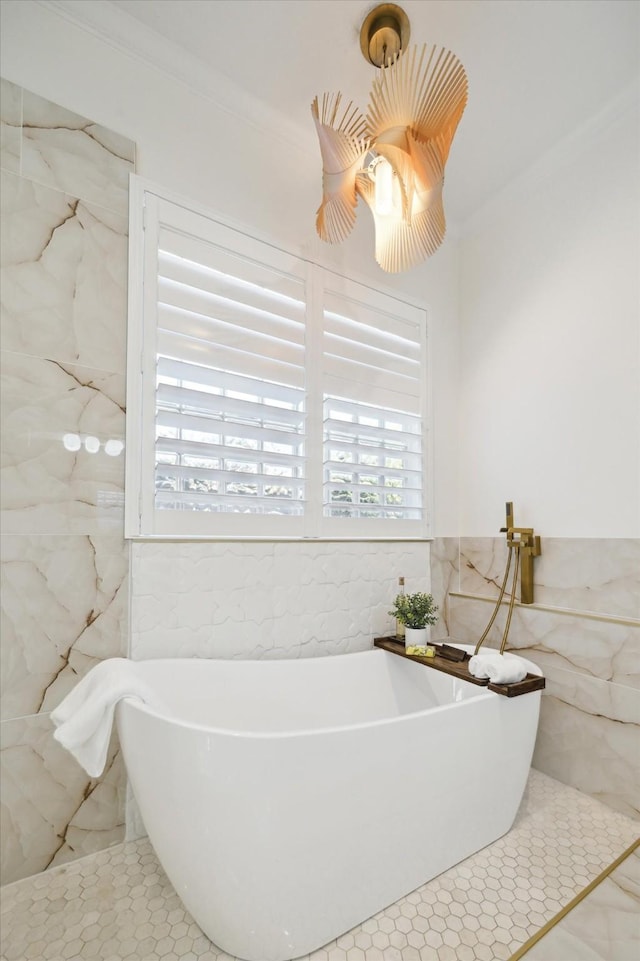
<point x="64" y="569"/>
<point x="584" y="632"/>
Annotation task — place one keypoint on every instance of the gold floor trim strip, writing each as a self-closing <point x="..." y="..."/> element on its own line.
<point x="520" y="953"/>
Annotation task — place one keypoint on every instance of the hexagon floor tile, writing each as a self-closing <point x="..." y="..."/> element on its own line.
<point x="118" y="905"/>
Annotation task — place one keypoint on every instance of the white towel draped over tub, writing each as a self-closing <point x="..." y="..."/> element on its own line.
<point x="84" y="719"/>
<point x="500" y="669"/>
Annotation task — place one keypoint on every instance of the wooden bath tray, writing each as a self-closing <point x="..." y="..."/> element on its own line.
<point x="460" y="669"/>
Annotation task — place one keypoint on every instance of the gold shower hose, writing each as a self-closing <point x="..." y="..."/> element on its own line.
<point x="512" y="547"/>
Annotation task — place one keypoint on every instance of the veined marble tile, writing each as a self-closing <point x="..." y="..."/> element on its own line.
<point x="64" y="608"/>
<point x="600" y="649"/>
<point x="64" y="276"/>
<point x="48" y="410"/>
<point x="589" y="737"/>
<point x="603" y="927"/>
<point x="590" y="574"/>
<point x="445" y="577"/>
<point x="266" y="599"/>
<point x="482" y="565"/>
<point x="10" y="125"/>
<point x="588" y="734"/>
<point x="600" y="575"/>
<point x="64" y="150"/>
<point x="52" y="811"/>
<point x="615" y="702"/>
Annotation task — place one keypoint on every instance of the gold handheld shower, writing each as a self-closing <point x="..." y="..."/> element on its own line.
<point x="526" y="546"/>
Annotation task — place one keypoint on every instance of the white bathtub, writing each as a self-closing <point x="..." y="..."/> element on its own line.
<point x="288" y="801"/>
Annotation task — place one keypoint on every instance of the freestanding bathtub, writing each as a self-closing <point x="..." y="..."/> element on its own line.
<point x="288" y="801"/>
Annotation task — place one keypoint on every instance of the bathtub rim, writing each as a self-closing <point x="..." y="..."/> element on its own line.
<point x="483" y="694"/>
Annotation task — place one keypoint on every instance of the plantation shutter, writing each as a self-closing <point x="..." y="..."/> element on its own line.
<point x="373" y="363"/>
<point x="229" y="404"/>
<point x="266" y="397"/>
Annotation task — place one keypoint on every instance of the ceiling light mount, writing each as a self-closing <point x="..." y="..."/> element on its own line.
<point x="384" y="34"/>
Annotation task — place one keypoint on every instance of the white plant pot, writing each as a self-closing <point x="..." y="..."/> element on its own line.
<point x="416" y="637"/>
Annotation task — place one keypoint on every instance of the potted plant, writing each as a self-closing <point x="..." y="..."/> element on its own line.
<point x="417" y="612"/>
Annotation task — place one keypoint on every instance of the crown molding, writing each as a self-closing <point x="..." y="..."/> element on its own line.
<point x="124" y="33"/>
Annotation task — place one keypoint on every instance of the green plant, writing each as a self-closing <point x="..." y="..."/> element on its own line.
<point x="415" y="610"/>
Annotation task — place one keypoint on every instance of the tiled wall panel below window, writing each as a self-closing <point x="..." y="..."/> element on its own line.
<point x="290" y="599"/>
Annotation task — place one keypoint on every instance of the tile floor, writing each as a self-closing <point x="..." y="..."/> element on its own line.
<point x="118" y="905"/>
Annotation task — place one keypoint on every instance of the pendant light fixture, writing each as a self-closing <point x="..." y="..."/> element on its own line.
<point x="394" y="156"/>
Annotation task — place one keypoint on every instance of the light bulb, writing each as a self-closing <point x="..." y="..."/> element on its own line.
<point x="384" y="188"/>
<point x="91" y="444"/>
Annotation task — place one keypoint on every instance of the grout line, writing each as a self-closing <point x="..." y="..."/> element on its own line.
<point x="25" y="717"/>
<point x="573" y="903"/>
<point x="569" y="611"/>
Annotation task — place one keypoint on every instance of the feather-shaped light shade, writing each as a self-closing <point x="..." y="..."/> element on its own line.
<point x="414" y="109"/>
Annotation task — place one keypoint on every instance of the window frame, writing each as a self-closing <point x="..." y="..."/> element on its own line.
<point x="142" y="521"/>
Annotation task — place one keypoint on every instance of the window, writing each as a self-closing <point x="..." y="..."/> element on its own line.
<point x="267" y="397"/>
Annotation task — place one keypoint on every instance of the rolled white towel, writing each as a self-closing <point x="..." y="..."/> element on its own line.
<point x="498" y="668"/>
<point x="84" y="718"/>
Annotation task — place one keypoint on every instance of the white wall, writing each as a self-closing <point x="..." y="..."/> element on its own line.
<point x="254" y="172"/>
<point x="550" y="368"/>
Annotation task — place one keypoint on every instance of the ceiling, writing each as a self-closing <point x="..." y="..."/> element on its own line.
<point x="537" y="69"/>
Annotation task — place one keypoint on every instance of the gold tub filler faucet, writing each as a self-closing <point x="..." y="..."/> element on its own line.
<point x="522" y="542"/>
